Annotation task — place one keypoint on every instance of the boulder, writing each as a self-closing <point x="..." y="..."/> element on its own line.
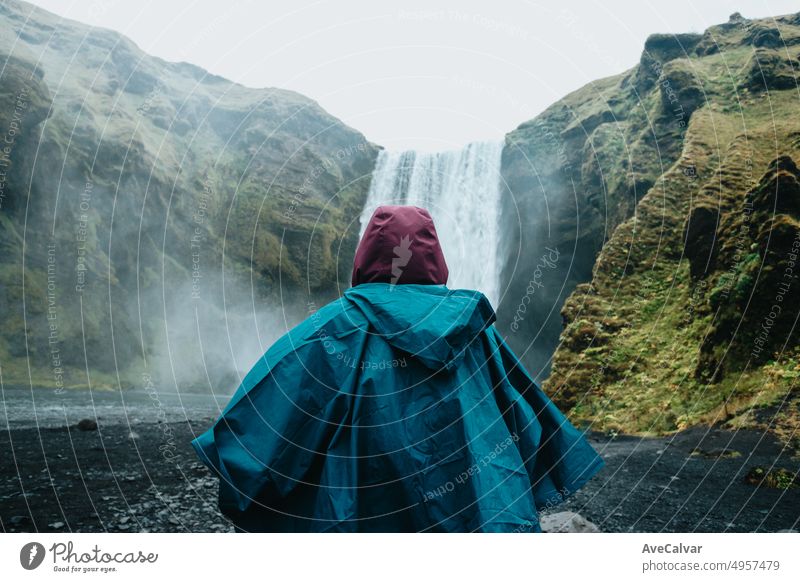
<point x="86" y="424"/>
<point x="567" y="522"/>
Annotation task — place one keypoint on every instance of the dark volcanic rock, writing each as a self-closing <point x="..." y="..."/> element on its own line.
<point x="770" y="70"/>
<point x="765" y="36"/>
<point x="681" y="91"/>
<point x="779" y="190"/>
<point x="748" y="330"/>
<point x="700" y="235"/>
<point x="86" y="424"/>
<point x="659" y="49"/>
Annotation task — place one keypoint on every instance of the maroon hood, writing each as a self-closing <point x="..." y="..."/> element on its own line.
<point x="400" y="245"/>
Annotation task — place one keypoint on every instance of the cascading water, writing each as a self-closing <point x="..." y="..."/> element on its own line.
<point x="461" y="190"/>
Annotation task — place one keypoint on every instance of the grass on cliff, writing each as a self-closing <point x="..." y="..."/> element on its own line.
<point x="647" y="369"/>
<point x="630" y="349"/>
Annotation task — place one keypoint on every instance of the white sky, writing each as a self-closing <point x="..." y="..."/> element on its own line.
<point x="413" y="73"/>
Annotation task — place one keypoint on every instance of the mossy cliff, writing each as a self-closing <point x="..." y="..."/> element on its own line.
<point x="132" y="185"/>
<point x="690" y="311"/>
<point x="577" y="171"/>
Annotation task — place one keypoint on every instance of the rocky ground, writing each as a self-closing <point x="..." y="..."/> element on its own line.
<point x="704" y="479"/>
<point x="117" y="479"/>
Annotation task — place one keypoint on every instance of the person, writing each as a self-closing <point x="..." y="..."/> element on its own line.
<point x="396" y="408"/>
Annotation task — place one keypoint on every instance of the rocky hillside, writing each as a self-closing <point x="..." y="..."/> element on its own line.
<point x="131" y="187"/>
<point x="690" y="312"/>
<point x="580" y="169"/>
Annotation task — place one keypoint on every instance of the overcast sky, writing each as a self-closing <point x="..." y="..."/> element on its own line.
<point x="406" y="74"/>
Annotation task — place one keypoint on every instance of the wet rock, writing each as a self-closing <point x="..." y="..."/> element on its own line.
<point x="86" y="424"/>
<point x="19" y="520"/>
<point x="567" y="522"/>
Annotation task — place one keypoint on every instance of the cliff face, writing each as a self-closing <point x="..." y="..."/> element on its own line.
<point x="133" y="186"/>
<point x="690" y="311"/>
<point x="577" y="171"/>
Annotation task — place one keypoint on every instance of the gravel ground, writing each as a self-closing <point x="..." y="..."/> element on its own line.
<point x="105" y="480"/>
<point x="698" y="480"/>
<point x="111" y="480"/>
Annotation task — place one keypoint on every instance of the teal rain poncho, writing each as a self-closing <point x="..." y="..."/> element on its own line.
<point x="394" y="408"/>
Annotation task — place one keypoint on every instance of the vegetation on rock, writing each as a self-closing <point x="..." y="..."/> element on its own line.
<point x="690" y="314"/>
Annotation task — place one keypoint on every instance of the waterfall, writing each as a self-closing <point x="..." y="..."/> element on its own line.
<point x="461" y="190"/>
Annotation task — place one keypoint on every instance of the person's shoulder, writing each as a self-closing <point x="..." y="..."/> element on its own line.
<point x="333" y="320"/>
<point x="337" y="318"/>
